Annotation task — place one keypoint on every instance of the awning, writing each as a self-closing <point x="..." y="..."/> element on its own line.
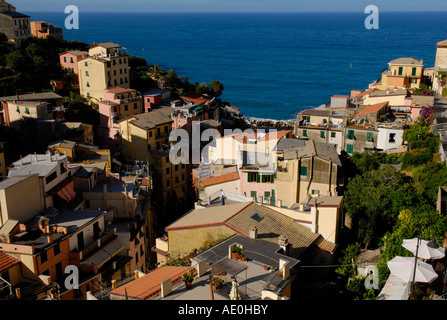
<point x="105" y="254"/>
<point x="65" y="190"/>
<point x="230" y="267"/>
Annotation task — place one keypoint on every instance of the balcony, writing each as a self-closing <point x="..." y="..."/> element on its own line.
<point x="93" y="247"/>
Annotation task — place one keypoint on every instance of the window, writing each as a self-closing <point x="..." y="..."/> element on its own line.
<point x="332" y="134"/>
<point x="126" y="107"/>
<point x="86" y="73"/>
<point x="268" y="178"/>
<point x="176" y="167"/>
<point x="304" y="133"/>
<point x="135" y="105"/>
<point x="27" y="110"/>
<point x="350" y="134"/>
<point x="315" y="191"/>
<point x="303" y="171"/>
<point x="322" y="134"/>
<point x="350" y="148"/>
<point x="87" y="84"/>
<point x="413" y="72"/>
<point x="401" y="70"/>
<point x="392" y="137"/>
<point x="168" y="183"/>
<point x="369" y="136"/>
<point x="56" y="249"/>
<point x="167" y="170"/>
<point x="51" y="177"/>
<point x="62" y="167"/>
<point x="253" y="194"/>
<point x="251" y="176"/>
<point x="43" y="257"/>
<point x="150" y="134"/>
<point x="65" y="59"/>
<point x="266" y="195"/>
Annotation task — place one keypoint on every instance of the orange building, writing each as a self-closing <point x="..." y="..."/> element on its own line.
<point x="43" y="29"/>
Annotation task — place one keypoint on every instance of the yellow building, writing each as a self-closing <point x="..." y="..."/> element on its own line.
<point x="15" y="25"/>
<point x="311" y="170"/>
<point x="196" y="229"/>
<point x="145" y="137"/>
<point x="403" y="73"/>
<point x="105" y="67"/>
<point x="12" y="193"/>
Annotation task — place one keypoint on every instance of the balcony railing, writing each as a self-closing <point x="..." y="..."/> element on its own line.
<point x="89" y="250"/>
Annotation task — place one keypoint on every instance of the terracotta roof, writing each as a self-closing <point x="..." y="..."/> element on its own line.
<point x="196" y="98"/>
<point x="7" y="261"/>
<point x="366" y="92"/>
<point x="150" y="284"/>
<point x="220" y="179"/>
<point x="372" y="108"/>
<point x="119" y="90"/>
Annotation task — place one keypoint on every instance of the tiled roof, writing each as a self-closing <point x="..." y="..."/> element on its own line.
<point x="273" y="225"/>
<point x="7" y="261"/>
<point x="150" y="120"/>
<point x="208" y="216"/>
<point x="196" y="98"/>
<point x="150" y="284"/>
<point x="221" y="179"/>
<point x="372" y="108"/>
<point x="367" y="92"/>
<point x="119" y="90"/>
<point x="442" y="44"/>
<point x="405" y="61"/>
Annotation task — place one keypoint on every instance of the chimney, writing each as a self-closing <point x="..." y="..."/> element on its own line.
<point x="253" y="232"/>
<point x="50" y="238"/>
<point x="284" y="266"/>
<point x="166" y="287"/>
<point x="279" y="203"/>
<point x="314" y="212"/>
<point x="284" y="244"/>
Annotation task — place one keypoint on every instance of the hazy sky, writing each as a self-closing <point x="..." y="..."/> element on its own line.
<point x="230" y="5"/>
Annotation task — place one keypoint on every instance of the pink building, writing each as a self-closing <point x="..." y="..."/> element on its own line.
<point x="69" y="59"/>
<point x="118" y="103"/>
<point x="155" y="97"/>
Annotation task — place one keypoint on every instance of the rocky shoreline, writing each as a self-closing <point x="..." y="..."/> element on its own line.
<point x="270" y="123"/>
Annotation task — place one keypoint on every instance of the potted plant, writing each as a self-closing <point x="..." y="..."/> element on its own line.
<point x="188" y="278"/>
<point x="217" y="283"/>
<point x="236" y="252"/>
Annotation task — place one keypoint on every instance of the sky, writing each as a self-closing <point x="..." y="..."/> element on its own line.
<point x="229" y="5"/>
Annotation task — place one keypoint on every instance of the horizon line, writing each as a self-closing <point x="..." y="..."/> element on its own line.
<point x="238" y="12"/>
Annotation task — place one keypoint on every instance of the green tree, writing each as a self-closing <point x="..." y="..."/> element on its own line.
<point x="370" y="200"/>
<point x="216" y="88"/>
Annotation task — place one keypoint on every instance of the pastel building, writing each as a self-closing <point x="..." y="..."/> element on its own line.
<point x="15" y="25"/>
<point x="440" y="69"/>
<point x="43" y="29"/>
<point x="69" y="60"/>
<point x="118" y="103"/>
<point x="154" y="97"/>
<point x="105" y="67"/>
<point x="402" y="73"/>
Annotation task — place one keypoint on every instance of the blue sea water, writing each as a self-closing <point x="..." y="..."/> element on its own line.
<point x="272" y="65"/>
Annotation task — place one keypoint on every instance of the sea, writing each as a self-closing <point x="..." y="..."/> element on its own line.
<point x="272" y="65"/>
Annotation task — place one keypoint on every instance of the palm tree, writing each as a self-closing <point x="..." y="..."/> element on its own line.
<point x="155" y="72"/>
